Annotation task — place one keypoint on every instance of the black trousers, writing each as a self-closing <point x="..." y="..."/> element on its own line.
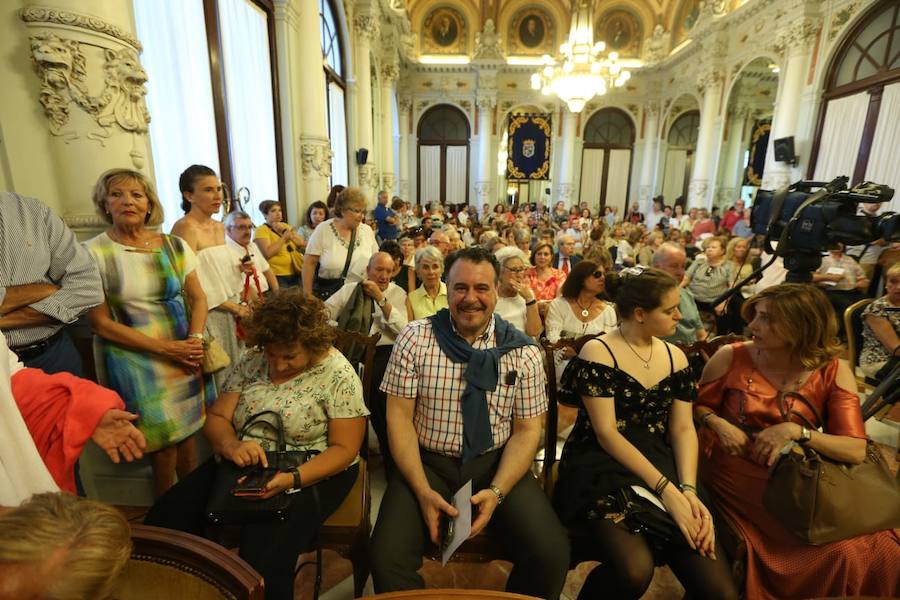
<point x="271" y="547"/>
<point x="525" y="523"/>
<point x="378" y="408"/>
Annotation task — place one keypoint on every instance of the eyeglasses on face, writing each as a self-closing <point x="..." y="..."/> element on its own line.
<point x="356" y="211"/>
<point x="240" y="227"/>
<point x="516" y="269"/>
<point x="598" y="274"/>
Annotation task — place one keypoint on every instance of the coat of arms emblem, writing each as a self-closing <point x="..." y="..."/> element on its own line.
<point x="527" y="148"/>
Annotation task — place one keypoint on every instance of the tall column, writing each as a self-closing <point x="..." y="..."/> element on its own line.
<point x="404" y="103"/>
<point x="565" y="187"/>
<point x="315" y="147"/>
<point x="366" y="27"/>
<point x="794" y="44"/>
<point x="289" y="80"/>
<point x="648" y="159"/>
<point x="389" y="74"/>
<point x="699" y="192"/>
<point x="731" y="173"/>
<point x="484" y="185"/>
<point x="90" y="87"/>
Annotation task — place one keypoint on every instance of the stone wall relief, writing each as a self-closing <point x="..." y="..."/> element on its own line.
<point x="61" y="66"/>
<point x="315" y="157"/>
<point x="656" y="47"/>
<point x="487" y="43"/>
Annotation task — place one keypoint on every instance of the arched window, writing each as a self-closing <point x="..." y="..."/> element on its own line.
<point x="858" y="126"/>
<point x="335" y="91"/>
<point x="606" y="160"/>
<point x="682" y="142"/>
<point x="443" y="156"/>
<point x="685" y="129"/>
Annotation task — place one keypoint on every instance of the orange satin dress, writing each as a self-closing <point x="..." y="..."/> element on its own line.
<point x="779" y="565"/>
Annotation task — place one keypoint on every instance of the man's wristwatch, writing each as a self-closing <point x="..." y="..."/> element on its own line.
<point x="805" y="435"/>
<point x="382" y="302"/>
<point x="500" y="496"/>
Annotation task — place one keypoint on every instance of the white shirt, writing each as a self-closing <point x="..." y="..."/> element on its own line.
<point x="562" y="322"/>
<point x="259" y="263"/>
<point x="332" y="251"/>
<point x="512" y="310"/>
<point x="22" y="472"/>
<point x="388" y="328"/>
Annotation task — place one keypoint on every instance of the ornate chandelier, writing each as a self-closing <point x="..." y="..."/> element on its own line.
<point x="581" y="71"/>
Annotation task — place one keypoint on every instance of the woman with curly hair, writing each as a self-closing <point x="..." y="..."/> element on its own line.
<point x="292" y="369"/>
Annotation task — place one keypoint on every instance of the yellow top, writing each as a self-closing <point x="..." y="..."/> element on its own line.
<point x="281" y="263"/>
<point x="423" y="305"/>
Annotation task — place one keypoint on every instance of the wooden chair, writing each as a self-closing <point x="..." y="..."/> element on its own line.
<point x="347" y="530"/>
<point x="174" y="565"/>
<point x="853" y="325"/>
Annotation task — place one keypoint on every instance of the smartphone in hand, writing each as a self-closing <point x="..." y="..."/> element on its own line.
<point x="254" y="483"/>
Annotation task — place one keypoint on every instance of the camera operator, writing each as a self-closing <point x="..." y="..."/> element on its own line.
<point x="842" y="279"/>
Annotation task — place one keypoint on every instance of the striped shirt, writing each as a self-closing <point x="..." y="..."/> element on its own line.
<point x="419" y="369"/>
<point x="37" y="247"/>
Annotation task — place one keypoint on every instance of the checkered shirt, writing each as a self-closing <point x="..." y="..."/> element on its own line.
<point x="419" y="369"/>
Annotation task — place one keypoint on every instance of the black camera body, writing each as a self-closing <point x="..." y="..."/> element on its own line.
<point x="809" y="216"/>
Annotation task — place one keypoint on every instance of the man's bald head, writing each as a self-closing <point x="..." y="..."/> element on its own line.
<point x="670" y="257"/>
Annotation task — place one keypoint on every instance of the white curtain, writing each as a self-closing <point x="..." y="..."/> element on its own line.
<point x="673" y="181"/>
<point x="430" y="172"/>
<point x="591" y="176"/>
<point x="248" y="94"/>
<point x="884" y="160"/>
<point x="845" y="119"/>
<point x="179" y="94"/>
<point x="457" y="167"/>
<point x="617" y="179"/>
<point x="338" y="132"/>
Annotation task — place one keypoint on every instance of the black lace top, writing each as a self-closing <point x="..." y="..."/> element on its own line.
<point x="588" y="476"/>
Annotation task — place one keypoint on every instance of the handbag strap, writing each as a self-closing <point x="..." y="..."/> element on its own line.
<point x="278" y="427"/>
<point x="349" y="253"/>
<point x="786" y="414"/>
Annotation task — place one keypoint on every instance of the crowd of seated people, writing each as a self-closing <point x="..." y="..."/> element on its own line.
<point x="461" y="300"/>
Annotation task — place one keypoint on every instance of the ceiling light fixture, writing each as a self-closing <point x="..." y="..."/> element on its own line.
<point x="581" y="71"/>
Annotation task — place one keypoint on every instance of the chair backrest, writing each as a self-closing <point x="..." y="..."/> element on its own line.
<point x="706" y="348"/>
<point x="550" y="350"/>
<point x="853" y="325"/>
<point x="345" y="339"/>
<point x="171" y="564"/>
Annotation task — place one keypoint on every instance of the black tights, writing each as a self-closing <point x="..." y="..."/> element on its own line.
<point x="627" y="567"/>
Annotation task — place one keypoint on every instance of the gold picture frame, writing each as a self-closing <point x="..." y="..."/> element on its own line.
<point x="444" y="32"/>
<point x="532" y="32"/>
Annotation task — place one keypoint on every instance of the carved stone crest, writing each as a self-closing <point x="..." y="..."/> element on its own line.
<point x="487" y="42"/>
<point x="315" y="158"/>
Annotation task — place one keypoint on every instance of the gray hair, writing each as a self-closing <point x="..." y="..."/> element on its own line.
<point x="521" y="235"/>
<point x="234" y="215"/>
<point x="429" y="253"/>
<point x="510" y="252"/>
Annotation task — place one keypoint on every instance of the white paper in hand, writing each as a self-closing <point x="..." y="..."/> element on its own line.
<point x="462" y="524"/>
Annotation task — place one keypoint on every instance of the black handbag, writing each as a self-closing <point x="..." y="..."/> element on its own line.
<point x="323" y="288"/>
<point x="224" y="508"/>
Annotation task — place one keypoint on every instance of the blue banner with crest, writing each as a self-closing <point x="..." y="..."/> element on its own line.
<point x="529" y="147"/>
<point x="759" y="143"/>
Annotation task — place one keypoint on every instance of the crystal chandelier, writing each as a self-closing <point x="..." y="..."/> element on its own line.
<point x="582" y="71"/>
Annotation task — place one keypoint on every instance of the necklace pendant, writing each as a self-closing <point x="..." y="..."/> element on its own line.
<point x="585" y="312"/>
<point x="647" y="366"/>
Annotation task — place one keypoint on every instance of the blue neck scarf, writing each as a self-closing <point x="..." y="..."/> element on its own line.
<point x="482" y="375"/>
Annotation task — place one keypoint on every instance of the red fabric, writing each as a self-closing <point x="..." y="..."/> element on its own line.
<point x="730" y="219"/>
<point x="565" y="266"/>
<point x="701" y="227"/>
<point x="61" y="412"/>
<point x="779" y="565"/>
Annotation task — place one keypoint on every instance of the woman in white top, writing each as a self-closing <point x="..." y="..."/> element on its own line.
<point x="326" y="250"/>
<point x="515" y="301"/>
<point x="579" y="310"/>
<point x="201" y="199"/>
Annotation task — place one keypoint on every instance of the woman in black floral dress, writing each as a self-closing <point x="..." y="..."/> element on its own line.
<point x="628" y="473"/>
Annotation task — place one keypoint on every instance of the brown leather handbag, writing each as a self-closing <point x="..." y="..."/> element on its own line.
<point x="821" y="500"/>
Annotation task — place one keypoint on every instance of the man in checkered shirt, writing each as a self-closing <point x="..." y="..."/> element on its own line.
<point x="425" y="428"/>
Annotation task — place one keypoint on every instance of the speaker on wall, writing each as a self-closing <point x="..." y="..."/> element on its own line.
<point x="362" y="155"/>
<point x="784" y="150"/>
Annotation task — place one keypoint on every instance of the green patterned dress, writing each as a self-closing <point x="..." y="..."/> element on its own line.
<point x="143" y="290"/>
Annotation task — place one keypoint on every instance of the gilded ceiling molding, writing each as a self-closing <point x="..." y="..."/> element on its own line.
<point x="55" y="16"/>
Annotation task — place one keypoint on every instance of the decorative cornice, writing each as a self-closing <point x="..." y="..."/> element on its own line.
<point x="486" y="101"/>
<point x="85" y="221"/>
<point x="55" y="16"/>
<point x="798" y="35"/>
<point x="390" y="72"/>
